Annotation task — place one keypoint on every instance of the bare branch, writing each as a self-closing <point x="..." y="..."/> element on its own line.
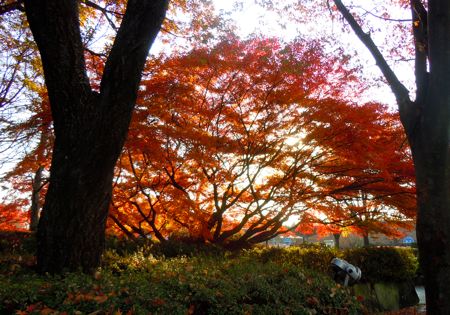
<point x="140" y="25"/>
<point x="406" y="108"/>
<point x="381" y="17"/>
<point x="104" y="11"/>
<point x="419" y="26"/>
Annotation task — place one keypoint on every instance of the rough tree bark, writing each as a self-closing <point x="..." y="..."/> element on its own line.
<point x="90" y="127"/>
<point x="427" y="124"/>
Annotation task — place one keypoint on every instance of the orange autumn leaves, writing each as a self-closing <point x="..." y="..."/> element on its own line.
<point x="12" y="217"/>
<point x="230" y="142"/>
<point x="369" y="185"/>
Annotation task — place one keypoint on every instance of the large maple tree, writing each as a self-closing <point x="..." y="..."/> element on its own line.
<point x="220" y="121"/>
<point x="244" y="135"/>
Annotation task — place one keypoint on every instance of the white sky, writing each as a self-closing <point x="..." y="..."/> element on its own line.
<point x="251" y="18"/>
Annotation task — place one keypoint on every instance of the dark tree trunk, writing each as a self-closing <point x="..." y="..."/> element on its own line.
<point x="366" y="240"/>
<point x="337" y="237"/>
<point x="35" y="199"/>
<point x="430" y="143"/>
<point x="427" y="124"/>
<point x="90" y="128"/>
<point x="433" y="218"/>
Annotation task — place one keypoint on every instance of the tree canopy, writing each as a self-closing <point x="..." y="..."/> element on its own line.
<point x="224" y="138"/>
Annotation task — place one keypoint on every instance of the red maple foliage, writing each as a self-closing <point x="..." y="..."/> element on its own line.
<point x="232" y="141"/>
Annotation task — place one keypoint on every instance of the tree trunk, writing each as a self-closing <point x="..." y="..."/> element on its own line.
<point x="430" y="144"/>
<point x="337" y="237"/>
<point x="71" y="229"/>
<point x="90" y="128"/>
<point x="35" y="199"/>
<point x="433" y="219"/>
<point x="427" y="125"/>
<point x="366" y="240"/>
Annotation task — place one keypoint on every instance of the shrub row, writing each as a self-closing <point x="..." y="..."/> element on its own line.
<point x="194" y="285"/>
<point x="378" y="264"/>
<point x="142" y="279"/>
<point x="385" y="264"/>
<point x="392" y="264"/>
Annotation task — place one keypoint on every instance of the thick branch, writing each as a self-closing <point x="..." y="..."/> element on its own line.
<point x="55" y="27"/>
<point x="420" y="25"/>
<point x="122" y="227"/>
<point x="400" y="91"/>
<point x="140" y="25"/>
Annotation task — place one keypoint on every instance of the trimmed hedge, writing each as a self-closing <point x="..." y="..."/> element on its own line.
<point x="378" y="264"/>
<point x="384" y="264"/>
<point x="314" y="257"/>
